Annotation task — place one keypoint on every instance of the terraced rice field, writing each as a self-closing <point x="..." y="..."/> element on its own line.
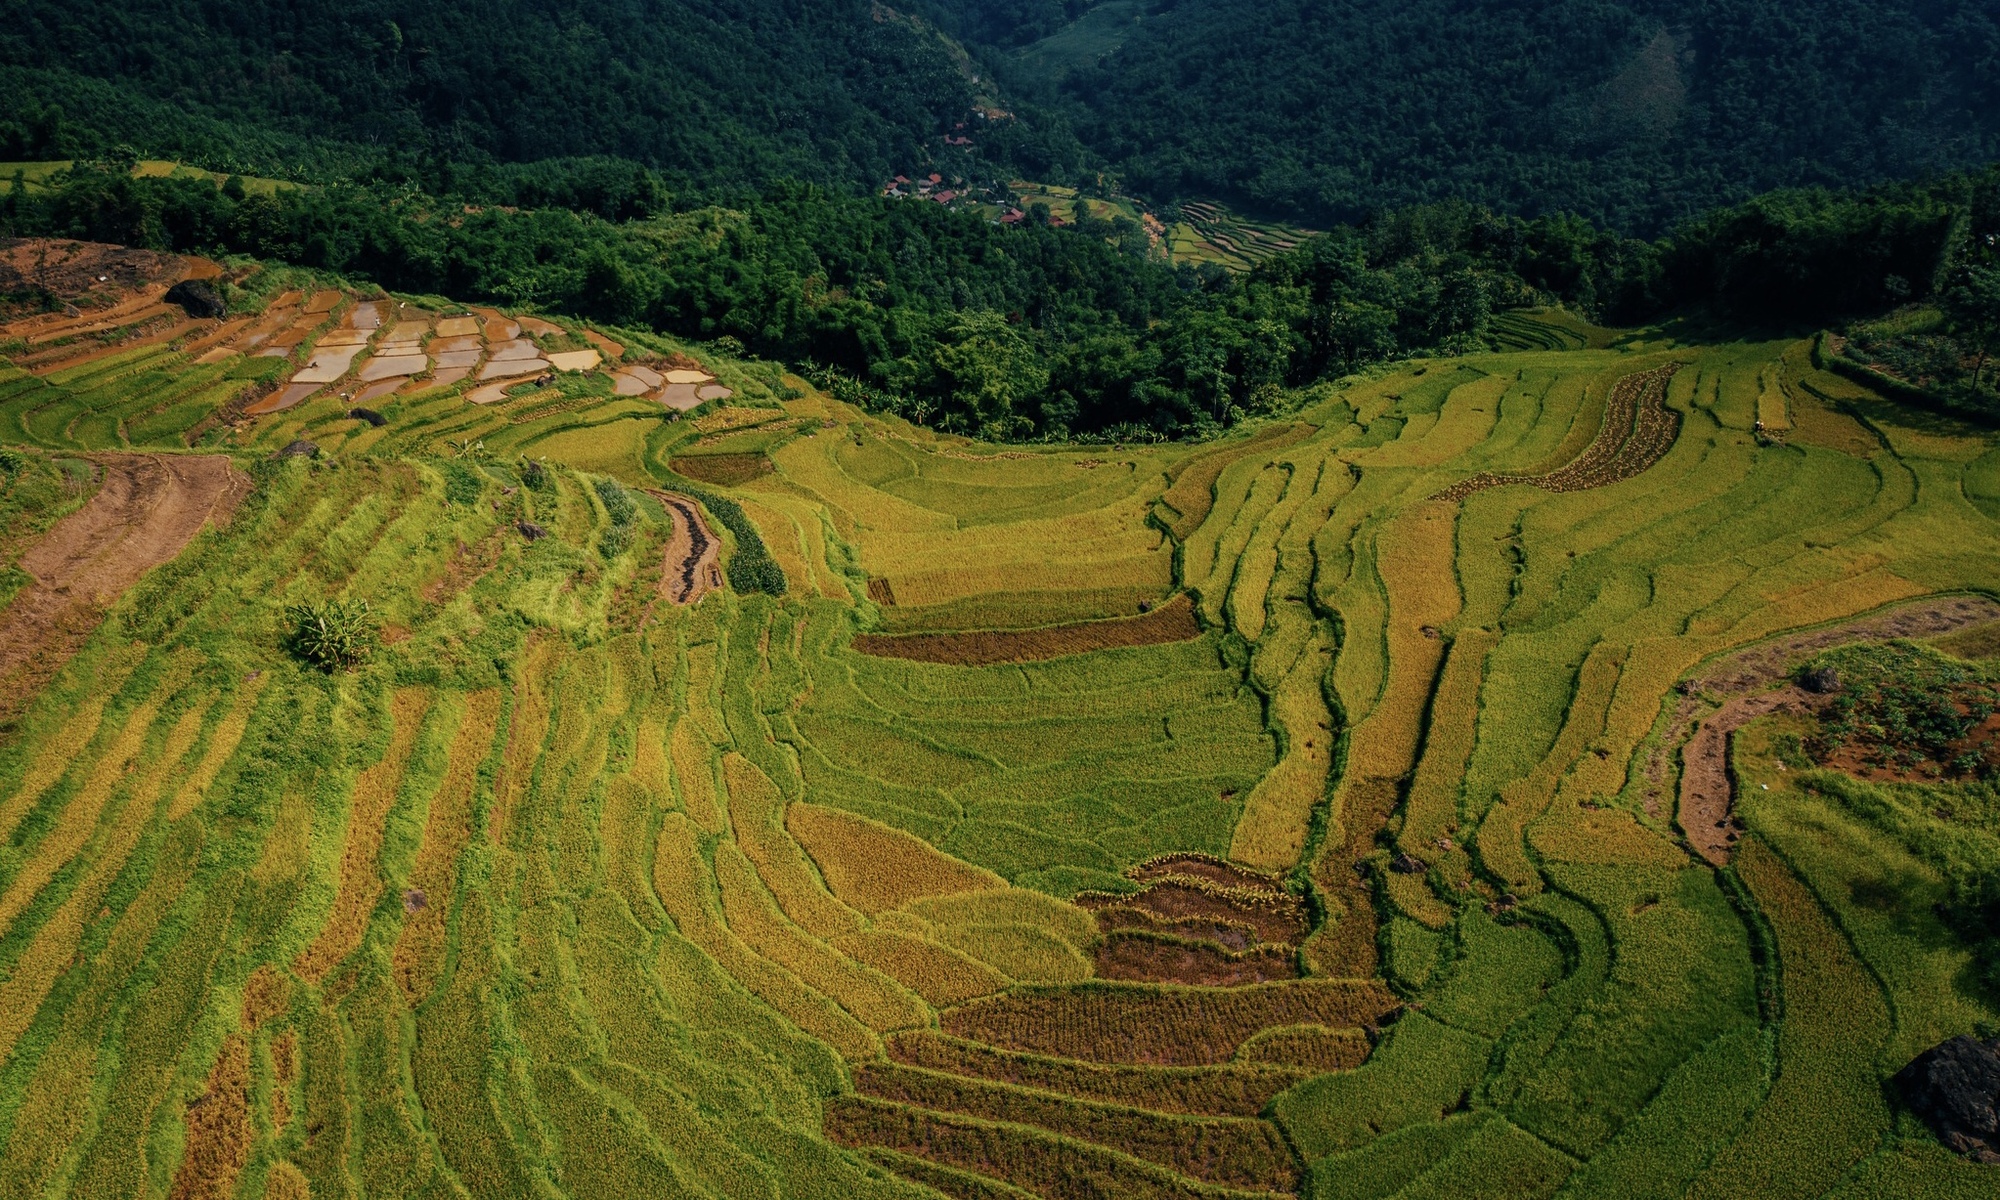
<point x="1293" y="814"/>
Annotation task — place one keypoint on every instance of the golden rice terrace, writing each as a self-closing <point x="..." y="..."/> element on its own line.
<point x="1509" y="777"/>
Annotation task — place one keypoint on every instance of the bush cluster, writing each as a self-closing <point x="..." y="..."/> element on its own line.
<point x="751" y="568"/>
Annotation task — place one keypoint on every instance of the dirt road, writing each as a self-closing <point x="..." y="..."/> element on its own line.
<point x="1745" y="682"/>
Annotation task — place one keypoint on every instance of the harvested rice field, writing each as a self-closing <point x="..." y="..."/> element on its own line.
<point x="1508" y="776"/>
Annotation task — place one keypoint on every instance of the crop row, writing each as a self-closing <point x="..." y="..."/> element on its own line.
<point x="1168" y="1026"/>
<point x="1637" y="431"/>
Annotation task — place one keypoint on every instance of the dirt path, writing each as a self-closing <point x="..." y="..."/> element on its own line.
<point x="693" y="560"/>
<point x="1745" y="680"/>
<point x="150" y="507"/>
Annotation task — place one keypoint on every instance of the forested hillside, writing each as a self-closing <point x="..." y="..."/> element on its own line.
<point x="1633" y="112"/>
<point x="708" y="92"/>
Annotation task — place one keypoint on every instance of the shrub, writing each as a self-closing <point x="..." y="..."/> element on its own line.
<point x="619" y="507"/>
<point x="334" y="635"/>
<point x="751" y="568"/>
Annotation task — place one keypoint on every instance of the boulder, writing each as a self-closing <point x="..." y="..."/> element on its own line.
<point x="369" y="415"/>
<point x="532" y="531"/>
<point x="1407" y="864"/>
<point x="1955" y="1088"/>
<point x="299" y="449"/>
<point x="1821" y="681"/>
<point x="199" y="297"/>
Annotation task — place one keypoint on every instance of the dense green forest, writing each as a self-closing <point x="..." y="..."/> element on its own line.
<point x="1636" y="113"/>
<point x="709" y="93"/>
<point x="1039" y="331"/>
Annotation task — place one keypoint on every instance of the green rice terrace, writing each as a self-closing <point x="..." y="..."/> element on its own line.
<point x="449" y="752"/>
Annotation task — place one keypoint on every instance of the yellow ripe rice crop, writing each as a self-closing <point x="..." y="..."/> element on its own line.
<point x="875" y="1000"/>
<point x="1168" y="1026"/>
<point x="1500" y="835"/>
<point x="60" y="753"/>
<point x="1825" y="1110"/>
<point x="1271" y="831"/>
<point x="694" y="771"/>
<point x="1311" y="1047"/>
<point x="54" y="948"/>
<point x="1414" y="555"/>
<point x="528" y="729"/>
<point x="80" y="816"/>
<point x="419" y="952"/>
<point x="360" y="877"/>
<point x="680" y="881"/>
<point x="219" y="1132"/>
<point x="267" y="995"/>
<point x="942" y="977"/>
<point x="755" y="813"/>
<point x="222" y="746"/>
<point x="872" y="867"/>
<point x="1431" y="812"/>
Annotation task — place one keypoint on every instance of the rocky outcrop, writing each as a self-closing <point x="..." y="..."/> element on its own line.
<point x="1955" y="1088"/>
<point x="199" y="297"/>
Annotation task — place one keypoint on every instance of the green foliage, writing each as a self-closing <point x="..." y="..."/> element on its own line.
<point x="1905" y="705"/>
<point x="332" y="634"/>
<point x="751" y="568"/>
<point x="1594" y="108"/>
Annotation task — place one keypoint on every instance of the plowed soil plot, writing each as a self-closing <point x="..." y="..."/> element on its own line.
<point x="692" y="553"/>
<point x="1638" y="431"/>
<point x="1743" y="680"/>
<point x="1183" y="1027"/>
<point x="150" y="507"/>
<point x="1278" y="919"/>
<point x="1171" y="622"/>
<point x="1143" y="958"/>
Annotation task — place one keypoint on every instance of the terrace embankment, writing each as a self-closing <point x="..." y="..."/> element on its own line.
<point x="149" y="508"/>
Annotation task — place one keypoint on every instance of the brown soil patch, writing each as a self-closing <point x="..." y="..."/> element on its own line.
<point x="613" y="351"/>
<point x="692" y="567"/>
<point x="1170" y="622"/>
<point x="1278" y="919"/>
<point x="1706" y="790"/>
<point x="1230" y="935"/>
<point x="218" y="1128"/>
<point x="1745" y="678"/>
<point x="881" y="593"/>
<point x="1132" y="1023"/>
<point x="1220" y="1091"/>
<point x="1152" y="958"/>
<point x="148" y="509"/>
<point x="69" y="271"/>
<point x="1637" y="432"/>
<point x="723" y="470"/>
<point x="1345" y="945"/>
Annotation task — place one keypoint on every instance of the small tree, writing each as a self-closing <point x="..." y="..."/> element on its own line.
<point x="335" y="635"/>
<point x="1973" y="304"/>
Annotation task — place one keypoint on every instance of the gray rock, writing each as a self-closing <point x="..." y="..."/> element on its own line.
<point x="1955" y="1088"/>
<point x="199" y="297"/>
